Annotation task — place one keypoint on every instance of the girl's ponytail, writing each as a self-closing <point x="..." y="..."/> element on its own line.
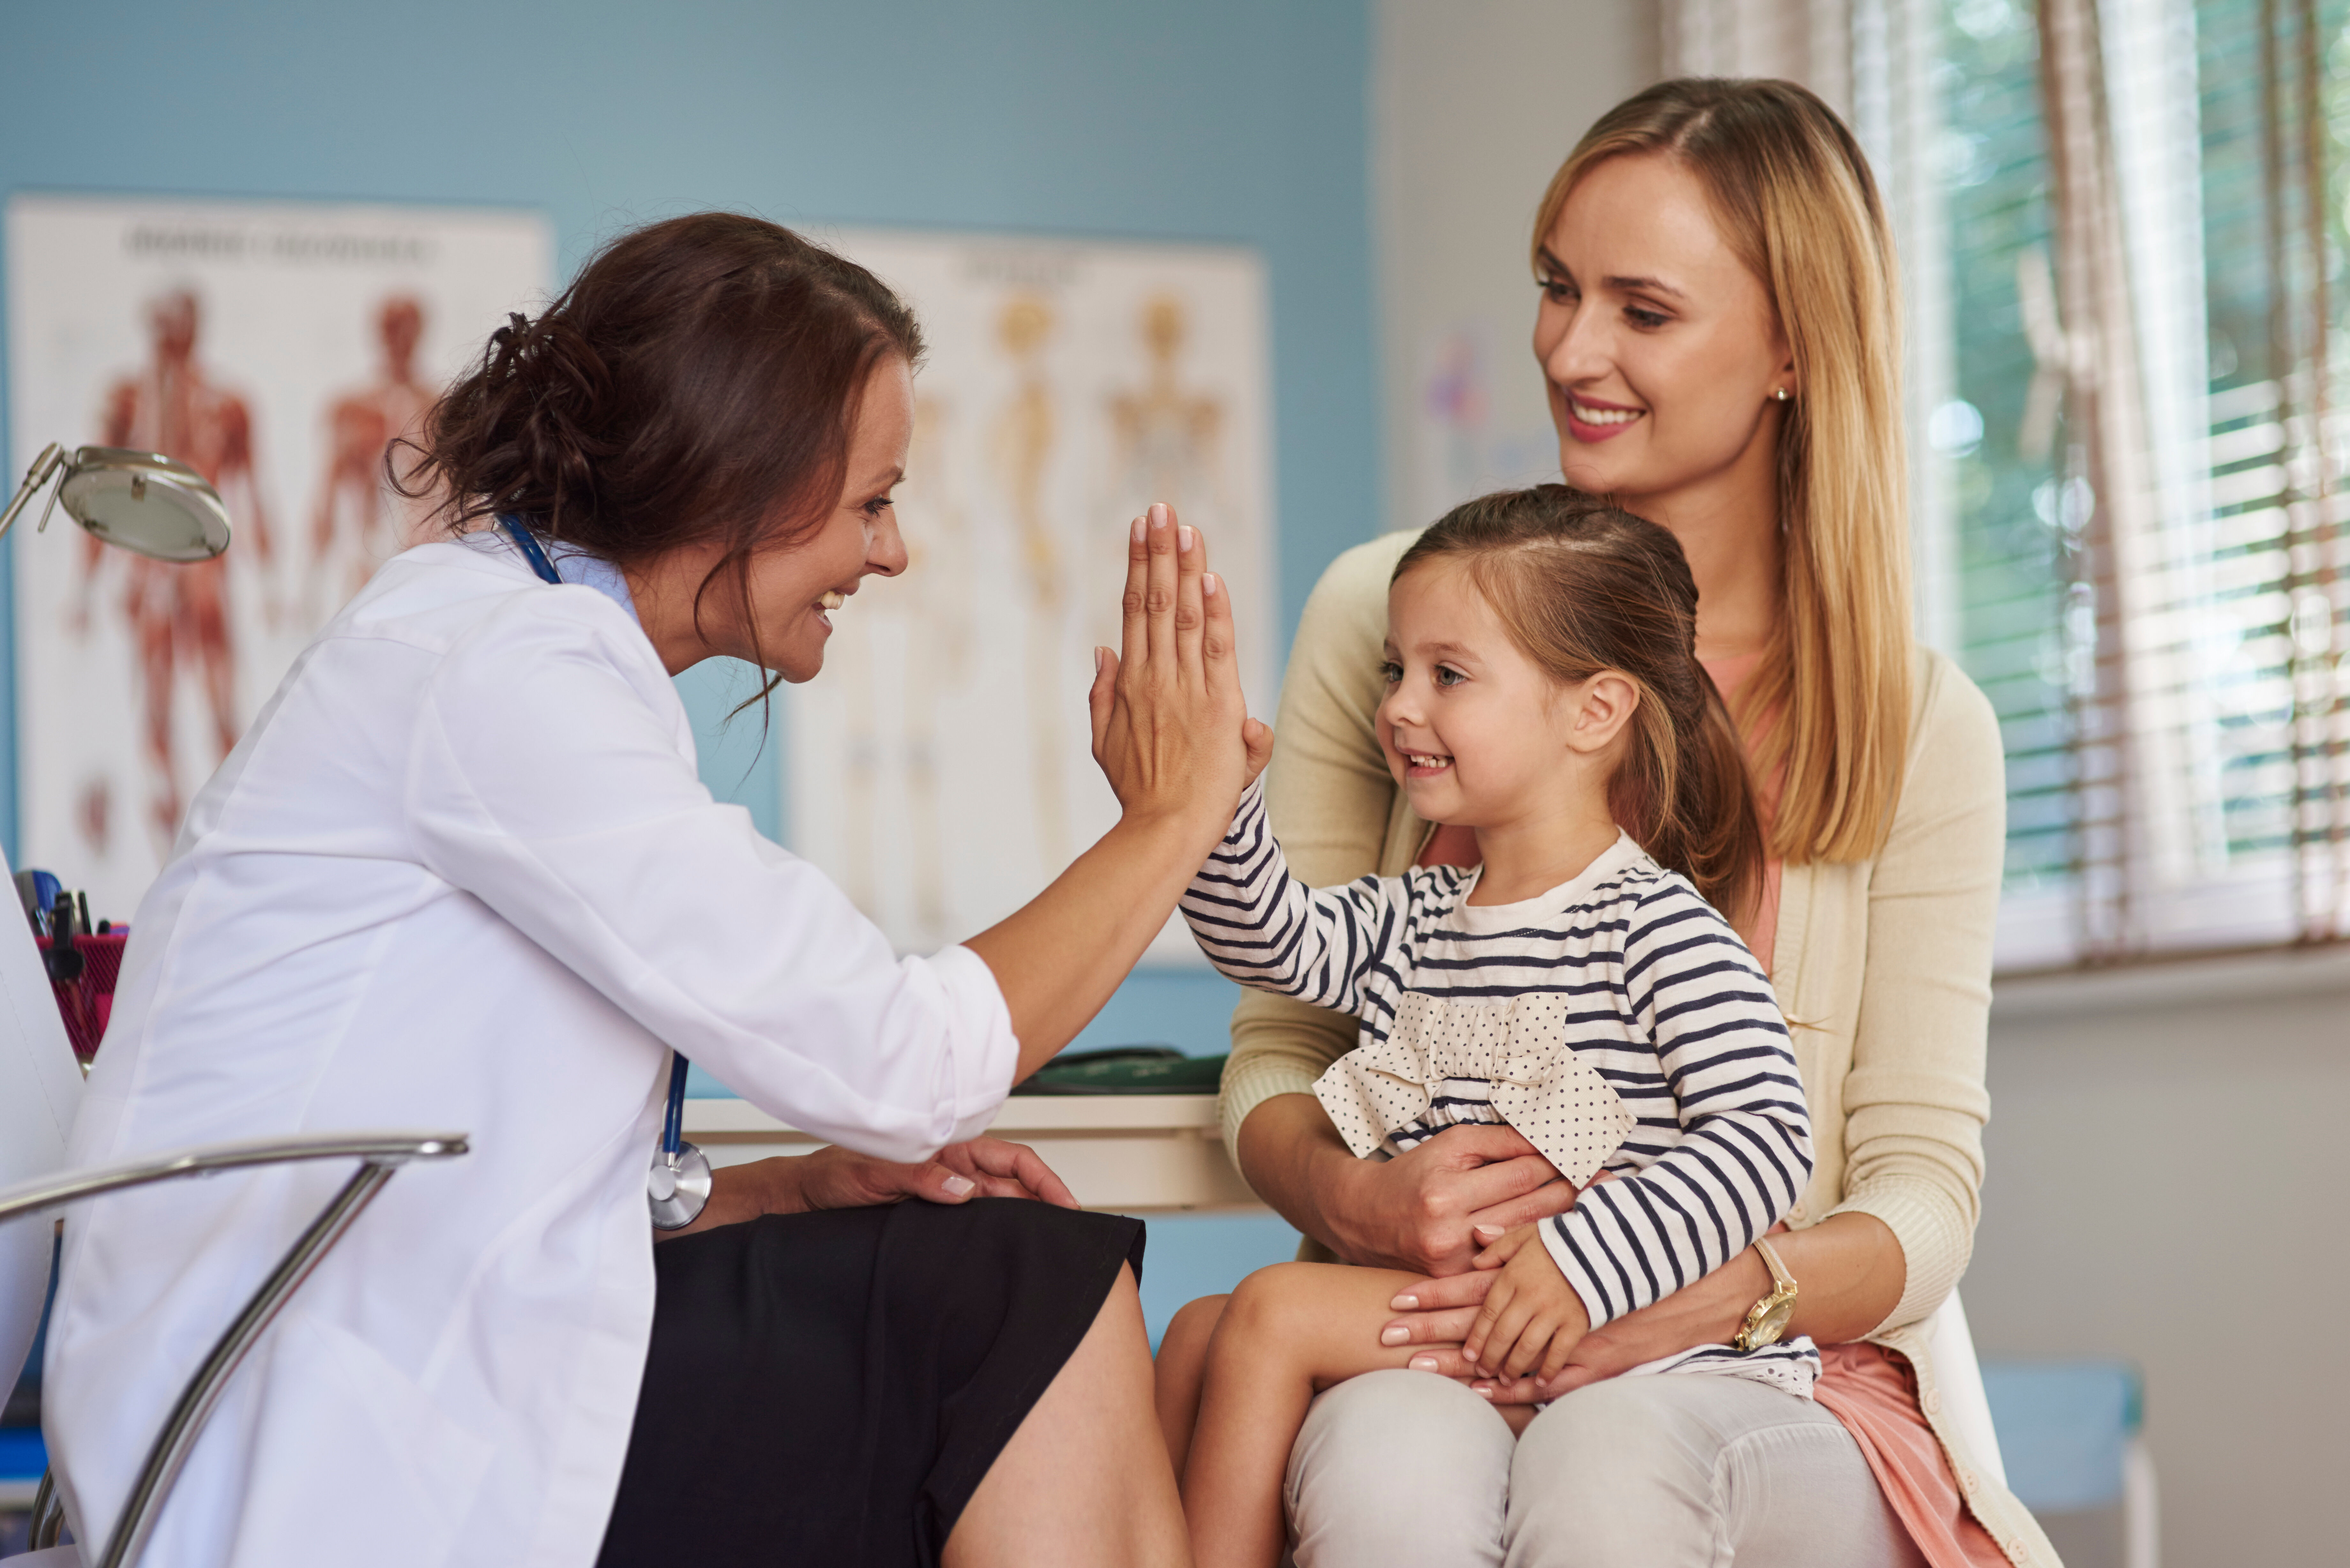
<point x="1581" y="587"/>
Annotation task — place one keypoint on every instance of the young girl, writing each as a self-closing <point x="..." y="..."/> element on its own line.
<point x="1542" y="689"/>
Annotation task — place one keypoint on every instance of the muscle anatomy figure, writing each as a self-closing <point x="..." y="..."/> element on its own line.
<point x="358" y="523"/>
<point x="178" y="616"/>
<point x="930" y="619"/>
<point x="1024" y="433"/>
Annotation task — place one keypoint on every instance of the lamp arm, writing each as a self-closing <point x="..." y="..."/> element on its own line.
<point x="43" y="468"/>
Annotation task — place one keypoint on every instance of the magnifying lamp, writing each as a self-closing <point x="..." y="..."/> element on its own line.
<point x="142" y="501"/>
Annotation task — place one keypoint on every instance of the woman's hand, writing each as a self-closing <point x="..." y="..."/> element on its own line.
<point x="1421" y="1211"/>
<point x="1171" y="727"/>
<point x="837" y="1177"/>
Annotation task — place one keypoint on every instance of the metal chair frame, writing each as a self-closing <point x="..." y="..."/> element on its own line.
<point x="379" y="1154"/>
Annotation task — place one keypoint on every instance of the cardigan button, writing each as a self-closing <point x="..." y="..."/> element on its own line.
<point x="1933" y="1401"/>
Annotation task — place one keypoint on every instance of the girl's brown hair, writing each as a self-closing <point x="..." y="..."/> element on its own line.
<point x="698" y="381"/>
<point x="1796" y="201"/>
<point x="1583" y="587"/>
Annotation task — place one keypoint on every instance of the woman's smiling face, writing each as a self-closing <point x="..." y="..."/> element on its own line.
<point x="1660" y="347"/>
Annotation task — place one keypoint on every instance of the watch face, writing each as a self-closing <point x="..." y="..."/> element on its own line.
<point x="1774" y="1323"/>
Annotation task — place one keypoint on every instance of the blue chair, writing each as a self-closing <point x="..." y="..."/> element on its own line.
<point x="2071" y="1433"/>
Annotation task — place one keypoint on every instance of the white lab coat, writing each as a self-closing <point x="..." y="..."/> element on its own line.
<point x="461" y="874"/>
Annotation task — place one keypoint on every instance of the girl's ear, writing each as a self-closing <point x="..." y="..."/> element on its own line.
<point x="1604" y="705"/>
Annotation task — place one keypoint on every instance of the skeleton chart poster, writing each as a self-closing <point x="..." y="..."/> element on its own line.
<point x="941" y="767"/>
<point x="277" y="348"/>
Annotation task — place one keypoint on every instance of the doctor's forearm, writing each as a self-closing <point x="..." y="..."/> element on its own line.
<point x="1058" y="959"/>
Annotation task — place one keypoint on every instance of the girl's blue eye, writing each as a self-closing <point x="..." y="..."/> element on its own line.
<point x="1390" y="671"/>
<point x="1448" y="676"/>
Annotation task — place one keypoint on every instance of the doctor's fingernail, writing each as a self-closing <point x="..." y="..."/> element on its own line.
<point x="1138" y="530"/>
<point x="1394" y="1333"/>
<point x="1422" y="1364"/>
<point x="1184" y="538"/>
<point x="1404" y="1303"/>
<point x="1158" y="514"/>
<point x="1209" y="586"/>
<point x="958" y="1185"/>
<point x="1097" y="658"/>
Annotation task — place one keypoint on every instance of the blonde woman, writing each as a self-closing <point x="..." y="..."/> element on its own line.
<point x="1717" y="327"/>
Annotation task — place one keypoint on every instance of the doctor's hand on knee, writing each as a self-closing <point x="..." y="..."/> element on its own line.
<point x="838" y="1178"/>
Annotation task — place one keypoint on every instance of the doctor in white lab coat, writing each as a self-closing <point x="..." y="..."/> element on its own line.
<point x="461" y="874"/>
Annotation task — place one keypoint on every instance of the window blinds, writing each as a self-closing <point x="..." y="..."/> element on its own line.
<point x="2121" y="236"/>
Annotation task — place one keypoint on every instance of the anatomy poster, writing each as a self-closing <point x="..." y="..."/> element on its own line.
<point x="277" y="348"/>
<point x="941" y="768"/>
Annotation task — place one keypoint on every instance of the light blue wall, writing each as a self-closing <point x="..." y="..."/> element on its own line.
<point x="1221" y="119"/>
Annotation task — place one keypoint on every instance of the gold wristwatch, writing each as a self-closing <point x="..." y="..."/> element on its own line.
<point x="1766" y="1319"/>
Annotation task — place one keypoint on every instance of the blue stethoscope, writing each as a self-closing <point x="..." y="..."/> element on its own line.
<point x="679" y="1184"/>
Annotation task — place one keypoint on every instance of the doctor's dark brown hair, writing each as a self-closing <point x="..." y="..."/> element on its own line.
<point x="1581" y="586"/>
<point x="697" y="382"/>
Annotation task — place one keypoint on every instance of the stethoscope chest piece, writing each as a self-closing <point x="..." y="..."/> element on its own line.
<point x="678" y="1186"/>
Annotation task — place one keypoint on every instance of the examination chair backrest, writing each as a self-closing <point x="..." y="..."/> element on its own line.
<point x="40" y="1091"/>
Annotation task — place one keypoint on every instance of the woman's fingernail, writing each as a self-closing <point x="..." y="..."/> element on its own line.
<point x="958" y="1185"/>
<point x="1422" y="1364"/>
<point x="1482" y="1390"/>
<point x="1138" y="530"/>
<point x="1394" y="1333"/>
<point x="1209" y="586"/>
<point x="1184" y="538"/>
<point x="1404" y="1303"/>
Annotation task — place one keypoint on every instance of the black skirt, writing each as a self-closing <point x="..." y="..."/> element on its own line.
<point x="832" y="1387"/>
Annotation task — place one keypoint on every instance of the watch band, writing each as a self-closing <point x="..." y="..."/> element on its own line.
<point x="1766" y="1319"/>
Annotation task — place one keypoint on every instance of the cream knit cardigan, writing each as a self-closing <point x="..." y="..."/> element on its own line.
<point x="1882" y="967"/>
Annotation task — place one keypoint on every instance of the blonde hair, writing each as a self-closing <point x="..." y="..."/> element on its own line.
<point x="1581" y="586"/>
<point x="1797" y="203"/>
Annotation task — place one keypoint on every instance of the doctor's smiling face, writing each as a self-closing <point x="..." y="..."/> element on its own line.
<point x="792" y="587"/>
<point x="795" y="588"/>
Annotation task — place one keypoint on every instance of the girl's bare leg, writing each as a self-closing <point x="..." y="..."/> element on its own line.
<point x="1084" y="1483"/>
<point x="1182" y="1370"/>
<point x="1288" y="1333"/>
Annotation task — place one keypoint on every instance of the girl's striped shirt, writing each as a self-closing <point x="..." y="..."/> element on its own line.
<point x="1623" y="977"/>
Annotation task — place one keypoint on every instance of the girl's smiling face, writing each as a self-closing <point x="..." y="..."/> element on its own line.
<point x="1474" y="731"/>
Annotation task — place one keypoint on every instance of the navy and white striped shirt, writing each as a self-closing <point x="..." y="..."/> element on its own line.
<point x="1631" y="975"/>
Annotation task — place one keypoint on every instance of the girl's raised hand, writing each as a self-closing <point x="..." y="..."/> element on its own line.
<point x="1171" y="727"/>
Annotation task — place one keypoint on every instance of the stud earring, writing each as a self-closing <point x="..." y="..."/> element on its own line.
<point x="1781" y="393"/>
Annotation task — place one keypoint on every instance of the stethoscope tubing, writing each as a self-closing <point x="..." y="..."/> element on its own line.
<point x="673" y="1146"/>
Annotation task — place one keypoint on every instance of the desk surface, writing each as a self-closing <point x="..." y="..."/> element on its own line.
<point x="1130" y="1153"/>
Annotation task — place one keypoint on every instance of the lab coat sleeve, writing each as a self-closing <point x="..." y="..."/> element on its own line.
<point x="552" y="778"/>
